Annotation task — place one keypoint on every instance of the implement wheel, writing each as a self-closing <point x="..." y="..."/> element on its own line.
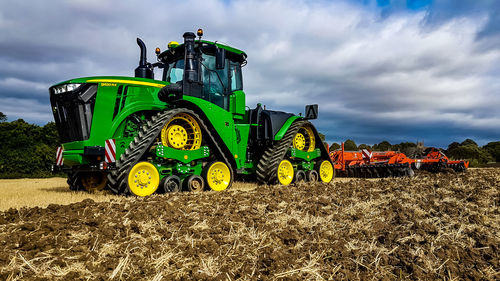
<point x="93" y="182"/>
<point x="143" y="179"/>
<point x="285" y="172"/>
<point x="182" y="132"/>
<point x="218" y="176"/>
<point x="325" y="170"/>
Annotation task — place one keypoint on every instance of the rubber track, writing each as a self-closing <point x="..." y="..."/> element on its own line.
<point x="268" y="163"/>
<point x="117" y="179"/>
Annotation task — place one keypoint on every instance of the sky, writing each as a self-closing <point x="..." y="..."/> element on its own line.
<point x="416" y="70"/>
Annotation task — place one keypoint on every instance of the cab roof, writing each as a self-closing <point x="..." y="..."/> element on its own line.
<point x="217" y="44"/>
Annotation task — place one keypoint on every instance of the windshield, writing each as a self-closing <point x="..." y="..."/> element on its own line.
<point x="174" y="72"/>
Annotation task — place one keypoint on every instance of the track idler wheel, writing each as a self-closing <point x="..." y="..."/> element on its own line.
<point x="195" y="183"/>
<point x="218" y="176"/>
<point x="93" y="182"/>
<point x="171" y="184"/>
<point x="143" y="179"/>
<point x="285" y="172"/>
<point x="326" y="171"/>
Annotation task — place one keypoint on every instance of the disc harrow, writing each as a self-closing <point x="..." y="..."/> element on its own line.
<point x="382" y="164"/>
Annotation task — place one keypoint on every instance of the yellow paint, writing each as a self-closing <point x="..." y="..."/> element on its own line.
<point x="108" y="82"/>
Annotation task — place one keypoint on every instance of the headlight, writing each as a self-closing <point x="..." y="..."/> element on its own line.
<point x="65" y="88"/>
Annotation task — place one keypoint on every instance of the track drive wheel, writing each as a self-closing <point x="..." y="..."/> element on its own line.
<point x="218" y="176"/>
<point x="143" y="179"/>
<point x="326" y="171"/>
<point x="182" y="132"/>
<point x="93" y="182"/>
<point x="304" y="139"/>
<point x="195" y="183"/>
<point x="285" y="172"/>
<point x="312" y="176"/>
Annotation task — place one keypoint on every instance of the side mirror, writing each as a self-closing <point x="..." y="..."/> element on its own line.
<point x="220" y="58"/>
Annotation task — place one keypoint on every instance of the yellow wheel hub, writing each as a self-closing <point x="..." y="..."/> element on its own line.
<point x="285" y="172"/>
<point x="304" y="140"/>
<point x="93" y="182"/>
<point x="182" y="132"/>
<point x="143" y="179"/>
<point x="177" y="136"/>
<point x="326" y="171"/>
<point x="299" y="141"/>
<point x="218" y="176"/>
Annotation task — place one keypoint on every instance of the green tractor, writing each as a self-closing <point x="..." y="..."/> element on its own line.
<point x="188" y="131"/>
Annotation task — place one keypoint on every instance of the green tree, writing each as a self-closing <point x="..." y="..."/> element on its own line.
<point x="468" y="142"/>
<point x="3" y="117"/>
<point x="364" y="146"/>
<point x="321" y="136"/>
<point x="27" y="150"/>
<point x="494" y="149"/>
<point x="334" y="146"/>
<point x="350" y="145"/>
<point x="383" y="146"/>
<point x="469" y="150"/>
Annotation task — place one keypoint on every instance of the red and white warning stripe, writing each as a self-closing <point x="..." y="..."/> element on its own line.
<point x="59" y="156"/>
<point x="367" y="154"/>
<point x="110" y="151"/>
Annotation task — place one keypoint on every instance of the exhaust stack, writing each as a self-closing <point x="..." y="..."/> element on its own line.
<point x="145" y="69"/>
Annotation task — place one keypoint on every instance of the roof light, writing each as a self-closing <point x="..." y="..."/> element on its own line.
<point x="157" y="51"/>
<point x="173" y="44"/>
<point x="199" y="32"/>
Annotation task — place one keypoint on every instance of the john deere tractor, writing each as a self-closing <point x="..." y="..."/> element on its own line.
<point x="188" y="130"/>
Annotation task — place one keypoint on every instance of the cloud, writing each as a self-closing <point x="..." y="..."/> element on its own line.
<point x="398" y="72"/>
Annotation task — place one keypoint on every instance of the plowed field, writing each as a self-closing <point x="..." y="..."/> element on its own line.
<point x="444" y="226"/>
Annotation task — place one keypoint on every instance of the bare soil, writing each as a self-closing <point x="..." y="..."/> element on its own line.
<point x="444" y="226"/>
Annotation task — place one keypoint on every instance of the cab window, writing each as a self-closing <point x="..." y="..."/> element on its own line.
<point x="175" y="71"/>
<point x="236" y="77"/>
<point x="215" y="82"/>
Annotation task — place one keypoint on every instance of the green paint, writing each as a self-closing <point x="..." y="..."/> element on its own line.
<point x="184" y="156"/>
<point x="279" y="135"/>
<point x="308" y="156"/>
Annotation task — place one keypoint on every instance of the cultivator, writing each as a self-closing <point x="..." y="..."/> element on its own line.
<point x="436" y="161"/>
<point x="379" y="164"/>
<point x="367" y="164"/>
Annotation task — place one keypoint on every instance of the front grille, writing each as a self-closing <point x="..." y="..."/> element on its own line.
<point x="73" y="112"/>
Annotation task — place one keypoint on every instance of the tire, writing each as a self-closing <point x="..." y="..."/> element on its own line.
<point x="299" y="176"/>
<point x="218" y="176"/>
<point x="194" y="183"/>
<point x="171" y="184"/>
<point x="312" y="176"/>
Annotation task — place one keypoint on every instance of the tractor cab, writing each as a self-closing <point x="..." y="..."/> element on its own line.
<point x="203" y="69"/>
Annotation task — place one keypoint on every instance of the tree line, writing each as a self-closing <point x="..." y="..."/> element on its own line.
<point x="28" y="150"/>
<point x="466" y="150"/>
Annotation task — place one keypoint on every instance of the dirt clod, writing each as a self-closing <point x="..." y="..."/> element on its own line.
<point x="444" y="226"/>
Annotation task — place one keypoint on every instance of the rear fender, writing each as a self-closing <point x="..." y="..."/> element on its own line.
<point x="279" y="135"/>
